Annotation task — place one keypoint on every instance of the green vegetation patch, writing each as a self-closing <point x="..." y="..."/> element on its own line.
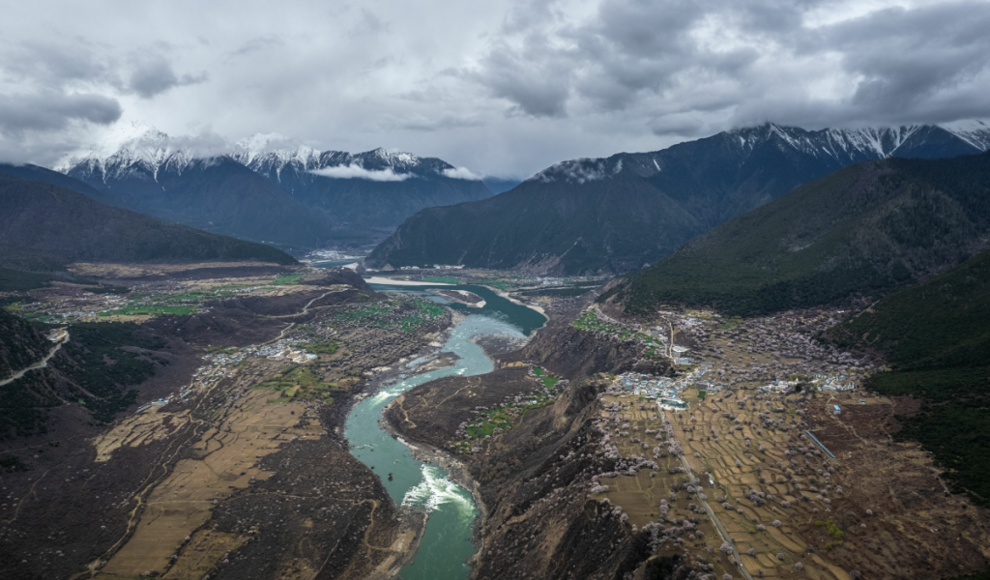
<point x="320" y="347"/>
<point x="441" y="279"/>
<point x="150" y="310"/>
<point x="504" y="417"/>
<point x="590" y="321"/>
<point x="407" y="316"/>
<point x="287" y="279"/>
<point x="300" y="382"/>
<point x="833" y="530"/>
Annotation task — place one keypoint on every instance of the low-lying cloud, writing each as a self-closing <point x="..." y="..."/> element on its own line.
<point x="354" y="171"/>
<point x="461" y="173"/>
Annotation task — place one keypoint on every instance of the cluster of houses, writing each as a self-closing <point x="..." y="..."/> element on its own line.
<point x="833" y="382"/>
<point x="282" y="350"/>
<point x="666" y="391"/>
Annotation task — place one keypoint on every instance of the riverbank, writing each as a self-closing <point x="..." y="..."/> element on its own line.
<point x="391" y="282"/>
<point x="504" y="294"/>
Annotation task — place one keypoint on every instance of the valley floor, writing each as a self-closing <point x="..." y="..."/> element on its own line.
<point x="232" y="464"/>
<point x="758" y="455"/>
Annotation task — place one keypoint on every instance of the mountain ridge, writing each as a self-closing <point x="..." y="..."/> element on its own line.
<point x="45" y="227"/>
<point x="320" y="197"/>
<point x="710" y="180"/>
<point x="861" y="231"/>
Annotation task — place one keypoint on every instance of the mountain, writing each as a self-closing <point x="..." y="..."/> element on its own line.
<point x="861" y="231"/>
<point x="375" y="190"/>
<point x="38" y="173"/>
<point x="267" y="189"/>
<point x="617" y="213"/>
<point x="21" y="344"/>
<point x="45" y="227"/>
<point x="151" y="176"/>
<point x="936" y="339"/>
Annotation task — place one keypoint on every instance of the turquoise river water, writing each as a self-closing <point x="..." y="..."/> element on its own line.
<point x="446" y="544"/>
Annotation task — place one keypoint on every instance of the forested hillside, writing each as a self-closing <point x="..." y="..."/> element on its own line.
<point x="44" y="227"/>
<point x="936" y="337"/>
<point x="861" y="231"/>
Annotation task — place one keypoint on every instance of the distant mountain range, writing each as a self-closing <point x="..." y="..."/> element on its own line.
<point x="862" y="231"/>
<point x="265" y="189"/>
<point x="616" y="214"/>
<point x="44" y="227"/>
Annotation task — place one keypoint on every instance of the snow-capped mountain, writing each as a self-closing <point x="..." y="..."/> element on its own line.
<point x="828" y="147"/>
<point x="617" y="213"/>
<point x="344" y="196"/>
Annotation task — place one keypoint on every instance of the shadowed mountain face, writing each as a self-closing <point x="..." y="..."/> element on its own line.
<point x="615" y="214"/>
<point x="296" y="196"/>
<point x="861" y="231"/>
<point x="43" y="226"/>
<point x="218" y="195"/>
<point x="398" y="186"/>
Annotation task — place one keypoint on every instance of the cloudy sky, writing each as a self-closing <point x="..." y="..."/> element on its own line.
<point x="501" y="87"/>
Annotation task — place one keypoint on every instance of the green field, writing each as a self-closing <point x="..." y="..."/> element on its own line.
<point x="407" y="316"/>
<point x="590" y="321"/>
<point x="320" y="347"/>
<point x="287" y="279"/>
<point x="300" y="382"/>
<point x="441" y="279"/>
<point x="150" y="310"/>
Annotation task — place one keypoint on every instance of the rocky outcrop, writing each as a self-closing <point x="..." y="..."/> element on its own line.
<point x="572" y="352"/>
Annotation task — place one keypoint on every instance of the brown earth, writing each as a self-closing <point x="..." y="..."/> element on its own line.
<point x="224" y="483"/>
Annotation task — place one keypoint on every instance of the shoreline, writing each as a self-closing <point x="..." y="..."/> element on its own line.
<point x="504" y="294"/>
<point x="391" y="282"/>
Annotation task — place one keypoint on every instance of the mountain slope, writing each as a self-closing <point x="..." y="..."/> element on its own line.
<point x="615" y="214"/>
<point x="375" y="189"/>
<point x="43" y="226"/>
<point x="216" y="194"/>
<point x="863" y="230"/>
<point x="266" y="188"/>
<point x="936" y="338"/>
<point x="38" y="173"/>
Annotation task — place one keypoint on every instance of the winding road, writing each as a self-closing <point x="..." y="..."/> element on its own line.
<point x="40" y="364"/>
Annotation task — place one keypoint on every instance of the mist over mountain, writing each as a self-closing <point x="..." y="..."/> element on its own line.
<point x="268" y="189"/>
<point x="862" y="231"/>
<point x="618" y="213"/>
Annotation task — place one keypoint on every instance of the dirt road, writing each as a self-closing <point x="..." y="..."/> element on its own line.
<point x="38" y="365"/>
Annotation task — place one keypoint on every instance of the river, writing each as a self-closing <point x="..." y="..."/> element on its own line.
<point x="446" y="544"/>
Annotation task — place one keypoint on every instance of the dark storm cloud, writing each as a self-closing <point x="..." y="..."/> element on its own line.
<point x="154" y="76"/>
<point x="504" y="87"/>
<point x="51" y="110"/>
<point x="755" y="60"/>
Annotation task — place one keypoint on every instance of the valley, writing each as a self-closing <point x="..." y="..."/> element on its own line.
<point x="762" y="456"/>
<point x="796" y="392"/>
<point x="215" y="474"/>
